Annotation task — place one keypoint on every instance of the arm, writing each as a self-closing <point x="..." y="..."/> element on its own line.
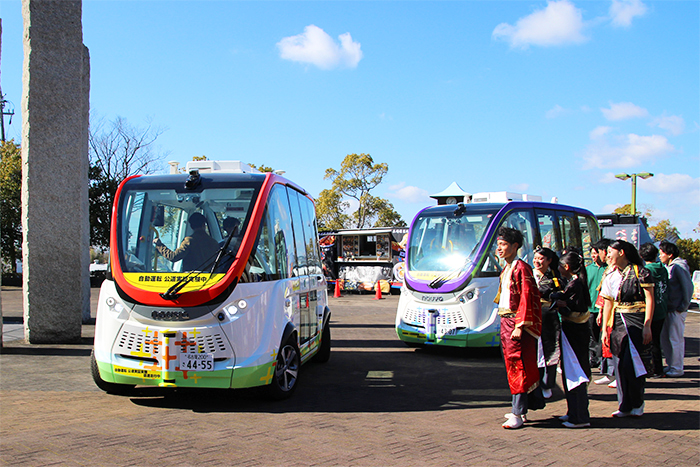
<point x="170" y="255"/>
<point x="648" y="313"/>
<point x="607" y="309"/>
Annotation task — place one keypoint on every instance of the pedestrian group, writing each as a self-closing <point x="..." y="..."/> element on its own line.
<point x="617" y="314"/>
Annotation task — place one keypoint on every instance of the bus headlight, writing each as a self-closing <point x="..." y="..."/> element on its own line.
<point x="231" y="310"/>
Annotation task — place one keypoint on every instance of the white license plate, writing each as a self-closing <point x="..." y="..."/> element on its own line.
<point x="197" y="362"/>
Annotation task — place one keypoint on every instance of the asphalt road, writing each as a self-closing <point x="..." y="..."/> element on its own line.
<point x="376" y="402"/>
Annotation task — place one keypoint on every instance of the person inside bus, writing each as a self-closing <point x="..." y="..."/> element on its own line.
<point x="546" y="273"/>
<point x="231" y="228"/>
<point x="196" y="250"/>
<point x="572" y="304"/>
<point x="628" y="291"/>
<point x="521" y="319"/>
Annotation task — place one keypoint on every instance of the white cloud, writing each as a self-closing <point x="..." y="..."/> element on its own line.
<point x="556" y="111"/>
<point x="560" y="23"/>
<point x="670" y="183"/>
<point x="673" y="124"/>
<point x="409" y="193"/>
<point x="599" y="132"/>
<point x="623" y="111"/>
<point x="623" y="11"/>
<point x="316" y="47"/>
<point x="622" y="151"/>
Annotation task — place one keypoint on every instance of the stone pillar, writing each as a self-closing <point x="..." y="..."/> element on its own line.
<point x="55" y="221"/>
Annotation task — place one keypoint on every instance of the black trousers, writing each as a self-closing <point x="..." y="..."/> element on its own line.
<point x="595" y="349"/>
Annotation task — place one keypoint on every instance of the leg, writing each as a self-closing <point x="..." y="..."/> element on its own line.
<point x="656" y="327"/>
<point x="594" y="347"/>
<point x="674" y="328"/>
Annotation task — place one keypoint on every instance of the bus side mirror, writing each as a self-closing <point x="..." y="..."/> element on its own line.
<point x="159" y="215"/>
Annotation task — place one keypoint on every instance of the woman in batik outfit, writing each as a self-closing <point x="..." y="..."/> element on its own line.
<point x="519" y="308"/>
<point x="546" y="273"/>
<point x="572" y="304"/>
<point x="629" y="293"/>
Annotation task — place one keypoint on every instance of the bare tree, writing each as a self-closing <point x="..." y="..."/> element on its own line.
<point x="117" y="151"/>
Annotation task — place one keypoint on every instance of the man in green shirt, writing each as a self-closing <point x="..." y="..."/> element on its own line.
<point x="649" y="252"/>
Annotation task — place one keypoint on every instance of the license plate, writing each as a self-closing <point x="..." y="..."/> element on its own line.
<point x="197" y="362"/>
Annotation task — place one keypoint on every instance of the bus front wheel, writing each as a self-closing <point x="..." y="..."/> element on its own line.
<point x="111" y="388"/>
<point x="286" y="377"/>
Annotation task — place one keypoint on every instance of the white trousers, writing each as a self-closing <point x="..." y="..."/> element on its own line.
<point x="672" y="340"/>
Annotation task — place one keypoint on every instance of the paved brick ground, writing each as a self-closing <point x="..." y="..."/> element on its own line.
<point x="376" y="402"/>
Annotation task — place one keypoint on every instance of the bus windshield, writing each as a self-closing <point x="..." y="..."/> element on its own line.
<point x="166" y="229"/>
<point x="445" y="241"/>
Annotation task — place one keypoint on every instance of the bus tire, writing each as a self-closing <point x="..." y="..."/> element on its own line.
<point x="324" y="351"/>
<point x="286" y="376"/>
<point x="110" y="388"/>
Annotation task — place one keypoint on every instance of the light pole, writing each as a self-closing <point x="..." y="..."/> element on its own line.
<point x="642" y="175"/>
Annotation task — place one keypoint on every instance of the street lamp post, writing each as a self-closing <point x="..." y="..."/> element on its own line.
<point x="642" y="175"/>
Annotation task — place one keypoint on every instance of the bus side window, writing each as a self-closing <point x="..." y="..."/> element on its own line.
<point x="570" y="237"/>
<point x="299" y="241"/>
<point x="308" y="213"/>
<point x="548" y="232"/>
<point x="522" y="221"/>
<point x="273" y="256"/>
<point x="589" y="235"/>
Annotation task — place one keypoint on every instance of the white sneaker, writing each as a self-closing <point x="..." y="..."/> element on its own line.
<point x="564" y="418"/>
<point x="509" y="414"/>
<point x="513" y="423"/>
<point x="547" y="393"/>
<point x="674" y="373"/>
<point x="638" y="412"/>
<point x="613" y="385"/>
<point x="603" y="380"/>
<point x="620" y="414"/>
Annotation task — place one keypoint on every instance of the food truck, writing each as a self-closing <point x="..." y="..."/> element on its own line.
<point x="360" y="258"/>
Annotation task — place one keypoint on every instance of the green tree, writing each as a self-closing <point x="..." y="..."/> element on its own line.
<point x="330" y="211"/>
<point x="11" y="203"/>
<point x="262" y="168"/>
<point x="690" y="251"/>
<point x="664" y="231"/>
<point x="648" y="210"/>
<point x="117" y="151"/>
<point x="357" y="177"/>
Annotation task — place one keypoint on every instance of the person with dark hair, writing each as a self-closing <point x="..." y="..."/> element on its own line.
<point x="195" y="250"/>
<point x="572" y="304"/>
<point x="628" y="291"/>
<point x="521" y="317"/>
<point x="546" y="272"/>
<point x="595" y="272"/>
<point x="649" y="252"/>
<point x="680" y="292"/>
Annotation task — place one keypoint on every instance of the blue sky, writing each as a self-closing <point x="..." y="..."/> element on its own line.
<point x="546" y="98"/>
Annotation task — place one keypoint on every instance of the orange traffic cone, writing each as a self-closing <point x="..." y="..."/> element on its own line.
<point x="336" y="293"/>
<point x="378" y="295"/>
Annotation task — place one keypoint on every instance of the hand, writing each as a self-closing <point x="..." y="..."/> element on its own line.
<point x="646" y="334"/>
<point x="156" y="241"/>
<point x="606" y="338"/>
<point x="516" y="334"/>
<point x="599" y="319"/>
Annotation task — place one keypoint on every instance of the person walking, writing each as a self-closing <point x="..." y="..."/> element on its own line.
<point x="680" y="292"/>
<point x="521" y="318"/>
<point x="628" y="291"/>
<point x="572" y="304"/>
<point x="546" y="272"/>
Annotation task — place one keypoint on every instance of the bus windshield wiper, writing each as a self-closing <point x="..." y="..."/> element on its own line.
<point x="172" y="292"/>
<point x="440" y="280"/>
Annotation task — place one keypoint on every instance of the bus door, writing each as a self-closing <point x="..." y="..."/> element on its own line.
<point x="571" y="237"/>
<point x="522" y="220"/>
<point x="305" y="264"/>
<point x="589" y="234"/>
<point x="549" y="230"/>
